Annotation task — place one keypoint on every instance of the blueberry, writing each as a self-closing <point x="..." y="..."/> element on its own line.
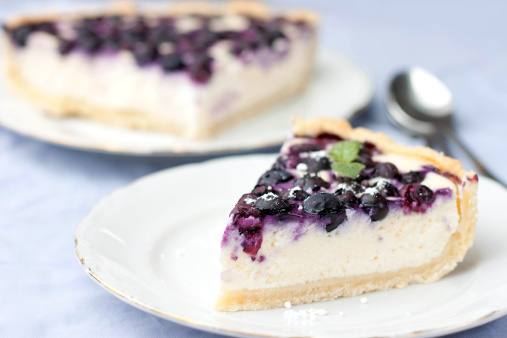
<point x="274" y="176"/>
<point x="20" y="34"/>
<point x="424" y="194"/>
<point x="326" y="138"/>
<point x="298" y="194"/>
<point x="311" y="182"/>
<point x="144" y="53"/>
<point x="386" y="189"/>
<point x="334" y="220"/>
<point x="273" y="35"/>
<point x="271" y="204"/>
<point x="260" y="190"/>
<point x="387" y="170"/>
<point x="416" y="194"/>
<point x="172" y="62"/>
<point x="375" y="205"/>
<point x="203" y="38"/>
<point x="245" y="210"/>
<point x="412" y="177"/>
<point x="317" y="164"/>
<point x="47" y="27"/>
<point x="355" y="187"/>
<point x="304" y="148"/>
<point x="200" y="69"/>
<point x="252" y="241"/>
<point x="348" y="199"/>
<point x="88" y="40"/>
<point x="239" y="47"/>
<point x="365" y="158"/>
<point x="66" y="46"/>
<point x="343" y="179"/>
<point x="322" y="203"/>
<point x="280" y="163"/>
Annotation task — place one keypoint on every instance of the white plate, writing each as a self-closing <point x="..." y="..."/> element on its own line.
<point x="338" y="89"/>
<point x="155" y="245"/>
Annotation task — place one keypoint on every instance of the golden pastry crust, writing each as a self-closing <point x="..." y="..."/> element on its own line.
<point x="331" y="288"/>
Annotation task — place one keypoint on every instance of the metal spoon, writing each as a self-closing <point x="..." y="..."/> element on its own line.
<point x="421" y="105"/>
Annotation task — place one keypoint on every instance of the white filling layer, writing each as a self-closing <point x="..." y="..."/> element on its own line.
<point x="115" y="82"/>
<point x="356" y="247"/>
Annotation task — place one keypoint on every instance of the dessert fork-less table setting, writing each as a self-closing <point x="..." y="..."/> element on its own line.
<point x="46" y="191"/>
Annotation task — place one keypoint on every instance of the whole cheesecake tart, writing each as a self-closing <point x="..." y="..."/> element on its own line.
<point x="190" y="69"/>
<point x="342" y="212"/>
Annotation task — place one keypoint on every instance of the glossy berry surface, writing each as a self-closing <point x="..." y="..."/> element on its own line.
<point x="417" y="197"/>
<point x="375" y="205"/>
<point x="311" y="183"/>
<point x="386" y="189"/>
<point x="270" y="204"/>
<point x="322" y="203"/>
<point x="274" y="176"/>
<point x="386" y="170"/>
<point x="412" y="177"/>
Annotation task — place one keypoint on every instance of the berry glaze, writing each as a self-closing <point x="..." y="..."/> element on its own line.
<point x="301" y="189"/>
<point x="175" y="44"/>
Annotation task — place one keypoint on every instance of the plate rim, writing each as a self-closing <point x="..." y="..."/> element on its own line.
<point x="106" y="148"/>
<point x="196" y="324"/>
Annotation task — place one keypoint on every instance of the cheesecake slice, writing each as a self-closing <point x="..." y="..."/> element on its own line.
<point x="342" y="212"/>
<point x="189" y="70"/>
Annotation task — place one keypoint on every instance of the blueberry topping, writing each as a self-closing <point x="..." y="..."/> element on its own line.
<point x="260" y="190"/>
<point x="245" y="210"/>
<point x="387" y="170"/>
<point x="274" y="176"/>
<point x="311" y="182"/>
<point x="252" y="242"/>
<point x="348" y="199"/>
<point x="335" y="220"/>
<point x="416" y="196"/>
<point x="321" y="204"/>
<point x="271" y="204"/>
<point x="20" y="35"/>
<point x="386" y="189"/>
<point x="88" y="40"/>
<point x="66" y="46"/>
<point x="412" y="177"/>
<point x="318" y="164"/>
<point x="172" y="62"/>
<point x="297" y="194"/>
<point x="375" y="205"/>
<point x="304" y="148"/>
<point x="200" y="69"/>
<point x="355" y="187"/>
<point x="145" y="53"/>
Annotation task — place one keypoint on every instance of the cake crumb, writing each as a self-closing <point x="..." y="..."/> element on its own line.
<point x="364" y="300"/>
<point x="287" y="305"/>
<point x="311" y="314"/>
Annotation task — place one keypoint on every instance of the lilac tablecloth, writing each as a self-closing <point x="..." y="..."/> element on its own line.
<point x="45" y="190"/>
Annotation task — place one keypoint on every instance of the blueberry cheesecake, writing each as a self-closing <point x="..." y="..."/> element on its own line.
<point x="190" y="69"/>
<point x="342" y="212"/>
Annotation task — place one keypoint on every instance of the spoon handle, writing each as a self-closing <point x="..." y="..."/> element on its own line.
<point x="478" y="164"/>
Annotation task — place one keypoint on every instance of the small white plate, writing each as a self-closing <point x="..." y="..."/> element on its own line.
<point x="155" y="244"/>
<point x="338" y="89"/>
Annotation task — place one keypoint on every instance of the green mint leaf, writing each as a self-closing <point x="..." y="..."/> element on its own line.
<point x="351" y="170"/>
<point x="345" y="151"/>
